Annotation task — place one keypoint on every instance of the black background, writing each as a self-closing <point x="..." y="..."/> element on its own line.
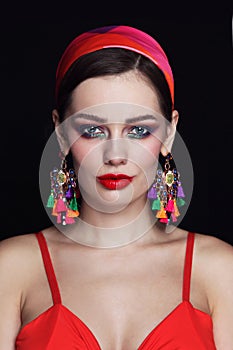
<point x="198" y="43"/>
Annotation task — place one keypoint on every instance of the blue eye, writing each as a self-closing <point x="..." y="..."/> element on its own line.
<point x="139" y="132"/>
<point x="91" y="131"/>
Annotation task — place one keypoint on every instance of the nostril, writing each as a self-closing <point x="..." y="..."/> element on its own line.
<point x="116" y="161"/>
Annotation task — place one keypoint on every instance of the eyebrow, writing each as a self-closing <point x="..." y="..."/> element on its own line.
<point x="91" y="117"/>
<point x="97" y="119"/>
<point x="140" y="118"/>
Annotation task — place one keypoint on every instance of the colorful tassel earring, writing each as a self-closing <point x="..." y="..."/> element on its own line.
<point x="166" y="194"/>
<point x="63" y="196"/>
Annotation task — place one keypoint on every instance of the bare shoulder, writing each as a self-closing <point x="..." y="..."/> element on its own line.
<point x="18" y="265"/>
<point x="17" y="256"/>
<point x="22" y="244"/>
<point x="213" y="257"/>
<point x="213" y="261"/>
<point x="23" y="249"/>
<point x="20" y="262"/>
<point x="213" y="251"/>
<point x="17" y="248"/>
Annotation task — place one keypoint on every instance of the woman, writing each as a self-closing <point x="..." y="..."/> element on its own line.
<point x="61" y="288"/>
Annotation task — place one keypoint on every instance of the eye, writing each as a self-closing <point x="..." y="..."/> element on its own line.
<point x="139" y="132"/>
<point x="91" y="131"/>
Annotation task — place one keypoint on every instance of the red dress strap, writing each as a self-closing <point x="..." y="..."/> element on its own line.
<point x="188" y="266"/>
<point x="49" y="268"/>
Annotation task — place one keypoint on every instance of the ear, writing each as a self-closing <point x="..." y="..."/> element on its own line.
<point x="167" y="145"/>
<point x="59" y="129"/>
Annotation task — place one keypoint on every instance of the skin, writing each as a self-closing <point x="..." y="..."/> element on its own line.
<point x="116" y="151"/>
<point x="121" y="283"/>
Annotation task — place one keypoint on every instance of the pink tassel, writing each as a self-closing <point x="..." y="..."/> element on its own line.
<point x="164" y="220"/>
<point x="60" y="206"/>
<point x="70" y="220"/>
<point x="59" y="218"/>
<point x="174" y="219"/>
<point x="170" y="206"/>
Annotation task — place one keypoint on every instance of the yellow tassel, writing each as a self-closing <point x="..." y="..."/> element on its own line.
<point x="161" y="214"/>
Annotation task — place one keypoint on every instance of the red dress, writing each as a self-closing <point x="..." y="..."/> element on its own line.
<point x="57" y="328"/>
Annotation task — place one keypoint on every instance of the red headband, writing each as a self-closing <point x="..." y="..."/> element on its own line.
<point x="115" y="36"/>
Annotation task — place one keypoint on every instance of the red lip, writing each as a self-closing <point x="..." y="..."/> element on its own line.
<point x="114" y="177"/>
<point x="115" y="181"/>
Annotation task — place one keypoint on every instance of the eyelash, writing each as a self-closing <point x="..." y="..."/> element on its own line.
<point x="143" y="134"/>
<point x="86" y="132"/>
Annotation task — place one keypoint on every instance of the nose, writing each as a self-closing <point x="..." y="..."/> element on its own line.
<point x="115" y="152"/>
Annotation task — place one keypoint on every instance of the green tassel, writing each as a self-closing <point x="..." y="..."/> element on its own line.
<point x="156" y="205"/>
<point x="50" y="202"/>
<point x="180" y="201"/>
<point x="73" y="204"/>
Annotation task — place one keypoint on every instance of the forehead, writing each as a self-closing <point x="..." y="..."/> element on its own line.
<point x="129" y="89"/>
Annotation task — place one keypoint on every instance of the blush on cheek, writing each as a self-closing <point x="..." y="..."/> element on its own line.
<point x="152" y="149"/>
<point x="79" y="152"/>
<point x="86" y="158"/>
<point x="155" y="148"/>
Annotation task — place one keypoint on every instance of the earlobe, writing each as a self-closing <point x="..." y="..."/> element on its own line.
<point x="167" y="145"/>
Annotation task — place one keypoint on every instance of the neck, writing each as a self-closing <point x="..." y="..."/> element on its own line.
<point x="108" y="230"/>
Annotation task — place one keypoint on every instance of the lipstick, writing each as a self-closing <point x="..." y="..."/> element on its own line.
<point x="115" y="181"/>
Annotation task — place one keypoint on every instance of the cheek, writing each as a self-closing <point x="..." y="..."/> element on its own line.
<point x="85" y="155"/>
<point x="147" y="161"/>
<point x="146" y="153"/>
<point x="78" y="152"/>
<point x="154" y="146"/>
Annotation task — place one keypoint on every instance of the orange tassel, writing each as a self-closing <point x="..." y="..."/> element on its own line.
<point x="54" y="213"/>
<point x="72" y="213"/>
<point x="161" y="214"/>
<point x="176" y="211"/>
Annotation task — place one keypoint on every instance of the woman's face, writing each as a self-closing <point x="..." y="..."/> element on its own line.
<point x="115" y="127"/>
